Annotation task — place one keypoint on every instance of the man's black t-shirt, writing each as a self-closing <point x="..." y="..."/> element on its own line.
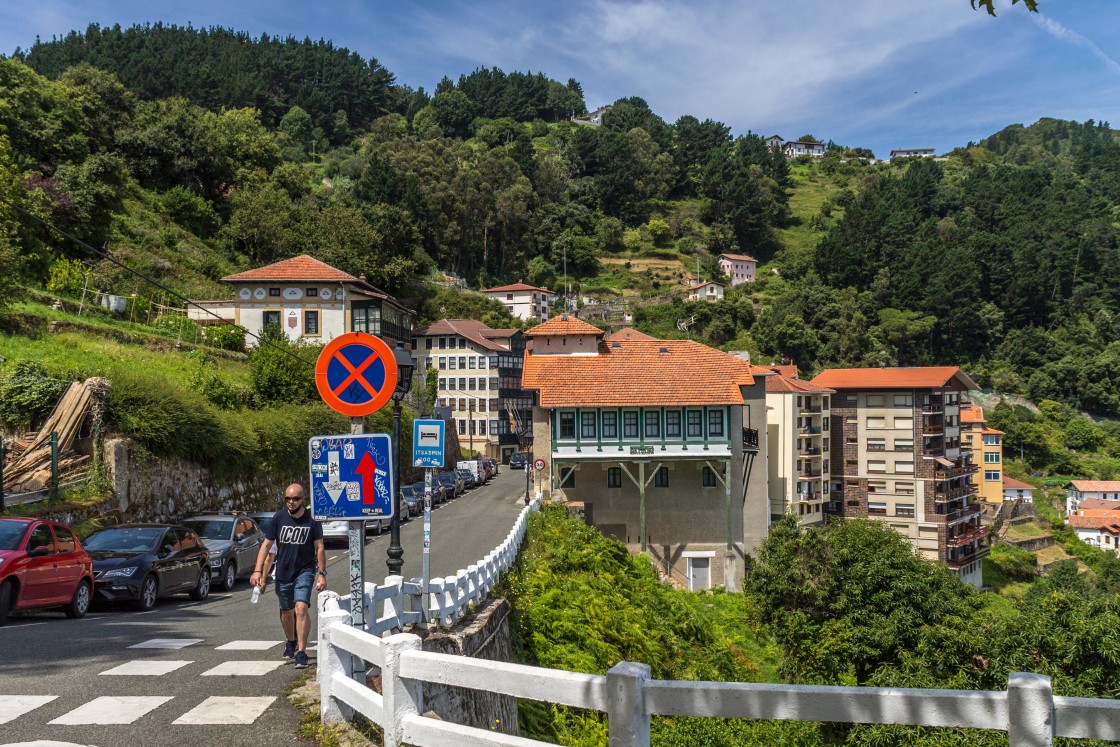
<point x="295" y="543"/>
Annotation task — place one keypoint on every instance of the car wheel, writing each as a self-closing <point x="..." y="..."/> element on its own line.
<point x="202" y="590"/>
<point x="79" y="605"/>
<point x="230" y="577"/>
<point x="149" y="592"/>
<point x="5" y="601"/>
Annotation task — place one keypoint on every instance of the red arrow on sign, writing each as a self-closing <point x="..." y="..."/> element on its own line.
<point x="365" y="470"/>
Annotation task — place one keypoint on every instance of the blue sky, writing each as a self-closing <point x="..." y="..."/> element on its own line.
<point x="880" y="74"/>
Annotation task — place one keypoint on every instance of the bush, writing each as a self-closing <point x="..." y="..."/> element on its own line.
<point x="281" y="370"/>
<point x="226" y="337"/>
<point x="28" y="394"/>
<point x="67" y="277"/>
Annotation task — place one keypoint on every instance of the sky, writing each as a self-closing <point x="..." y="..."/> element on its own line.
<point x="878" y="74"/>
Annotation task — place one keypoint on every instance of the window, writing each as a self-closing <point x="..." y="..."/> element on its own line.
<point x="567" y="425"/>
<point x="707" y="477"/>
<point x="495" y="427"/>
<point x="695" y="424"/>
<point x="462" y="361"/>
<point x="715" y="423"/>
<point x="672" y="423"/>
<point x="614" y="477"/>
<point x="904" y="488"/>
<point x="482" y="361"/>
<point x="903" y="400"/>
<point x="904" y="509"/>
<point x="587" y="425"/>
<point x="907" y="467"/>
<point x="509" y="296"/>
<point x="630" y="424"/>
<point x="877" y="508"/>
<point x="876" y="465"/>
<point x="653" y="424"/>
<point x="904" y="444"/>
<point x="451" y="363"/>
<point x="493" y="382"/>
<point x="991" y="457"/>
<point x="274" y="292"/>
<point x="904" y="423"/>
<point x="876" y="422"/>
<point x="311" y="322"/>
<point x="443" y="343"/>
<point x="661" y="478"/>
<point x="272" y="318"/>
<point x="991" y="475"/>
<point x="441" y="362"/>
<point x="568" y="479"/>
<point x="462" y="343"/>
<point x="876" y="486"/>
<point x="876" y="400"/>
<point x="482" y="384"/>
<point x="609" y="424"/>
<point x="311" y="292"/>
<point x="462" y="427"/>
<point x="462" y="384"/>
<point x="470" y="383"/>
<point x="482" y="427"/>
<point x="876" y="444"/>
<point x="462" y="405"/>
<point x="991" y="440"/>
<point x="471" y="361"/>
<point x="427" y="343"/>
<point x="442" y="384"/>
<point x="65" y="539"/>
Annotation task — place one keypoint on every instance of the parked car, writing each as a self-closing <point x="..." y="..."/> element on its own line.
<point x="439" y="492"/>
<point x="475" y="469"/>
<point x="452" y="483"/>
<point x="338" y="530"/>
<point x="142" y="562"/>
<point x="263" y="519"/>
<point x="233" y="541"/>
<point x="413" y="501"/>
<point x="517" y="461"/>
<point x="470" y="480"/>
<point x="43" y="565"/>
<point x="491" y="467"/>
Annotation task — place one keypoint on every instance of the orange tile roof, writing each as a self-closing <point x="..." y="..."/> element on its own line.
<point x="709" y="282"/>
<point x="740" y="257"/>
<point x="783" y="383"/>
<point x="991" y="432"/>
<point x="638" y="373"/>
<point x="1010" y="483"/>
<point x="473" y="330"/>
<point x="565" y="324"/>
<point x="1098" y="504"/>
<point x="303" y="268"/>
<point x="518" y="287"/>
<point x="1095" y="486"/>
<point x="1102" y="523"/>
<point x="972" y="414"/>
<point x="629" y="333"/>
<point x="919" y="377"/>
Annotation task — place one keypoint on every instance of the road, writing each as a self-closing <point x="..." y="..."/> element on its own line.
<point x="206" y="672"/>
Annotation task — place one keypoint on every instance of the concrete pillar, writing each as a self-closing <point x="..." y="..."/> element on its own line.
<point x="332" y="663"/>
<point x="642" y="503"/>
<point x="1030" y="710"/>
<point x="401" y="697"/>
<point x="627" y="718"/>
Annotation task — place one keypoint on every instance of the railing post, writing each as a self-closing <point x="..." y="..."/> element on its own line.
<point x="627" y="718"/>
<point x="331" y="663"/>
<point x="1030" y="710"/>
<point x="401" y="697"/>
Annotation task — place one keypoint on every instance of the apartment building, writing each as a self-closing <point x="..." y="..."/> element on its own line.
<point x="524" y="301"/>
<point x="896" y="457"/>
<point x="797" y="464"/>
<point x="740" y="268"/>
<point x="1080" y="490"/>
<point x="986" y="447"/>
<point x="655" y="440"/>
<point x="479" y="379"/>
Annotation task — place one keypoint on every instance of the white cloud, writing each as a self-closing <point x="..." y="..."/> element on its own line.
<point x="1060" y="32"/>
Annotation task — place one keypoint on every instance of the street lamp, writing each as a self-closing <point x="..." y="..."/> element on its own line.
<point x="405" y="366"/>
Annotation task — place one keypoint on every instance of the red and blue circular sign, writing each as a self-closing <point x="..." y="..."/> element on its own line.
<point x="356" y="374"/>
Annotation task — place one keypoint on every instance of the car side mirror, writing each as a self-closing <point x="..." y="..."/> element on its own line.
<point x="239" y="536"/>
<point x="38" y="552"/>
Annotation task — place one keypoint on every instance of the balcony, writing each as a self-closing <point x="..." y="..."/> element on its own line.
<point x="933" y="429"/>
<point x="810" y="496"/>
<point x="750" y="439"/>
<point x="956" y="557"/>
<point x="963" y="514"/>
<point x="953" y="494"/>
<point x="968" y="535"/>
<point x="933" y="407"/>
<point x="811" y="430"/>
<point x="810" y="410"/>
<point x="808" y="452"/>
<point x="808" y="474"/>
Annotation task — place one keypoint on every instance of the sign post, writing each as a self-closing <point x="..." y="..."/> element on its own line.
<point x="356" y="375"/>
<point x="427" y="452"/>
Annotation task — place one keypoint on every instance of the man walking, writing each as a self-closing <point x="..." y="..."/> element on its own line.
<point x="301" y="562"/>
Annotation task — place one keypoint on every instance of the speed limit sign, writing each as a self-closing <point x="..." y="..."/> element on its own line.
<point x="538" y="465"/>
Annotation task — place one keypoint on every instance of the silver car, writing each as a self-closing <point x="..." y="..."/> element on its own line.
<point x="232" y="540"/>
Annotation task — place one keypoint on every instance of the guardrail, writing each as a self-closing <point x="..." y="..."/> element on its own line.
<point x="1028" y="710"/>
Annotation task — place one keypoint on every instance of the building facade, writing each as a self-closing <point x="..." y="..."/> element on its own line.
<point x="794" y="148"/>
<point x="656" y="439"/>
<point x="479" y="380"/>
<point x="524" y="301"/>
<point x="1017" y="490"/>
<point x="307" y="300"/>
<point x="797" y="463"/>
<point x="1080" y="490"/>
<point x="1097" y="523"/>
<point x="740" y="268"/>
<point x="986" y="446"/>
<point x="896" y="458"/>
<point x="912" y="153"/>
<point x="709" y="291"/>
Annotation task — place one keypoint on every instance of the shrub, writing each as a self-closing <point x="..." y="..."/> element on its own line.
<point x="226" y="337"/>
<point x="28" y="394"/>
<point x="67" y="277"/>
<point x="281" y="370"/>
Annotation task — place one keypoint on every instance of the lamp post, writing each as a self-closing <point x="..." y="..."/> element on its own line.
<point x="405" y="365"/>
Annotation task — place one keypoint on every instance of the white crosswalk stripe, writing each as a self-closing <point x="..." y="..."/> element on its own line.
<point x="226" y="710"/>
<point x="14" y="706"/>
<point x="242" y="668"/>
<point x="248" y="645"/>
<point x="147" y="667"/>
<point x="168" y="643"/>
<point x="112" y="709"/>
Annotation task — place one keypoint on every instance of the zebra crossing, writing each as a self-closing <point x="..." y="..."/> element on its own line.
<point x="128" y="709"/>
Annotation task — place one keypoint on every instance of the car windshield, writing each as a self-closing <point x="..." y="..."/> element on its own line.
<point x="11" y="532"/>
<point x="128" y="539"/>
<point x="406" y="491"/>
<point x="211" y="529"/>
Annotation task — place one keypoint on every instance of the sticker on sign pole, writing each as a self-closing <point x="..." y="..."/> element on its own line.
<point x="356" y="374"/>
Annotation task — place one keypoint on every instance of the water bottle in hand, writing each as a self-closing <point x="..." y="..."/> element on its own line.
<point x="256" y="595"/>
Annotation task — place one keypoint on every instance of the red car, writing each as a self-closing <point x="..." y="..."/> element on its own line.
<point x="43" y="565"/>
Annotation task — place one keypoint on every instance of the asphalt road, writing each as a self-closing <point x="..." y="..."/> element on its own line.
<point x="206" y="672"/>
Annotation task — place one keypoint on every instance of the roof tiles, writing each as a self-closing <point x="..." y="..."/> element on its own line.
<point x="1096" y="486"/>
<point x="919" y="377"/>
<point x="565" y="324"/>
<point x="303" y="268"/>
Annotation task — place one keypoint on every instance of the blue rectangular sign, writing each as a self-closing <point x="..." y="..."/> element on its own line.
<point x="351" y="476"/>
<point x="427" y="443"/>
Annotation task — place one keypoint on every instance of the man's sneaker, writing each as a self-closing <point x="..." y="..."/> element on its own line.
<point x="301" y="660"/>
<point x="290" y="650"/>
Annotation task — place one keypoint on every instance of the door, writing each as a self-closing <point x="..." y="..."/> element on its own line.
<point x="169" y="562"/>
<point x="40" y="579"/>
<point x="699" y="573"/>
<point x="70" y="563"/>
<point x="248" y="544"/>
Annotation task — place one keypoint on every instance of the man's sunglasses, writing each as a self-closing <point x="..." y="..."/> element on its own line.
<point x="293" y="498"/>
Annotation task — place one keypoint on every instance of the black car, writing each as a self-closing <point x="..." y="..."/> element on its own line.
<point x="517" y="461"/>
<point x="468" y="478"/>
<point x="413" y="501"/>
<point x="233" y="541"/>
<point x="450" y="485"/>
<point x="438" y="492"/>
<point x="142" y="562"/>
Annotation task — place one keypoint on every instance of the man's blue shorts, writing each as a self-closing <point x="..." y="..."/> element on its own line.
<point x="297" y="590"/>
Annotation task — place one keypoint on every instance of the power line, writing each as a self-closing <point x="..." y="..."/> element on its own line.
<point x="105" y="255"/>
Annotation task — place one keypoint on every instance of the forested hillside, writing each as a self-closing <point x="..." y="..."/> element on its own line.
<point x="190" y="153"/>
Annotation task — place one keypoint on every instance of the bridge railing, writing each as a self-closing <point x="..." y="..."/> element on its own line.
<point x="1028" y="710"/>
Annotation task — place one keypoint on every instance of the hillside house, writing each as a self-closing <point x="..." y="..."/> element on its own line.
<point x="524" y="301"/>
<point x="1080" y="490"/>
<point x="740" y="268"/>
<point x="1097" y="523"/>
<point x="774" y="142"/>
<point x="986" y="447"/>
<point x="797" y="447"/>
<point x="795" y="148"/>
<point x="656" y="440"/>
<point x="308" y="300"/>
<point x="1017" y="490"/>
<point x="896" y="457"/>
<point x="912" y="153"/>
<point x="709" y="291"/>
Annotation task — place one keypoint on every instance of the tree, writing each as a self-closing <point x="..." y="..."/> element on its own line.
<point x="989" y="5"/>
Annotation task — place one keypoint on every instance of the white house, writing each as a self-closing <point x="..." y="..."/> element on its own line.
<point x="524" y="301"/>
<point x="709" y="291"/>
<point x="797" y="454"/>
<point x="741" y="268"/>
<point x="1097" y="523"/>
<point x="912" y="153"/>
<point x="774" y="142"/>
<point x="308" y="300"/>
<point x="796" y="148"/>
<point x="1079" y="490"/>
<point x="1017" y="490"/>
